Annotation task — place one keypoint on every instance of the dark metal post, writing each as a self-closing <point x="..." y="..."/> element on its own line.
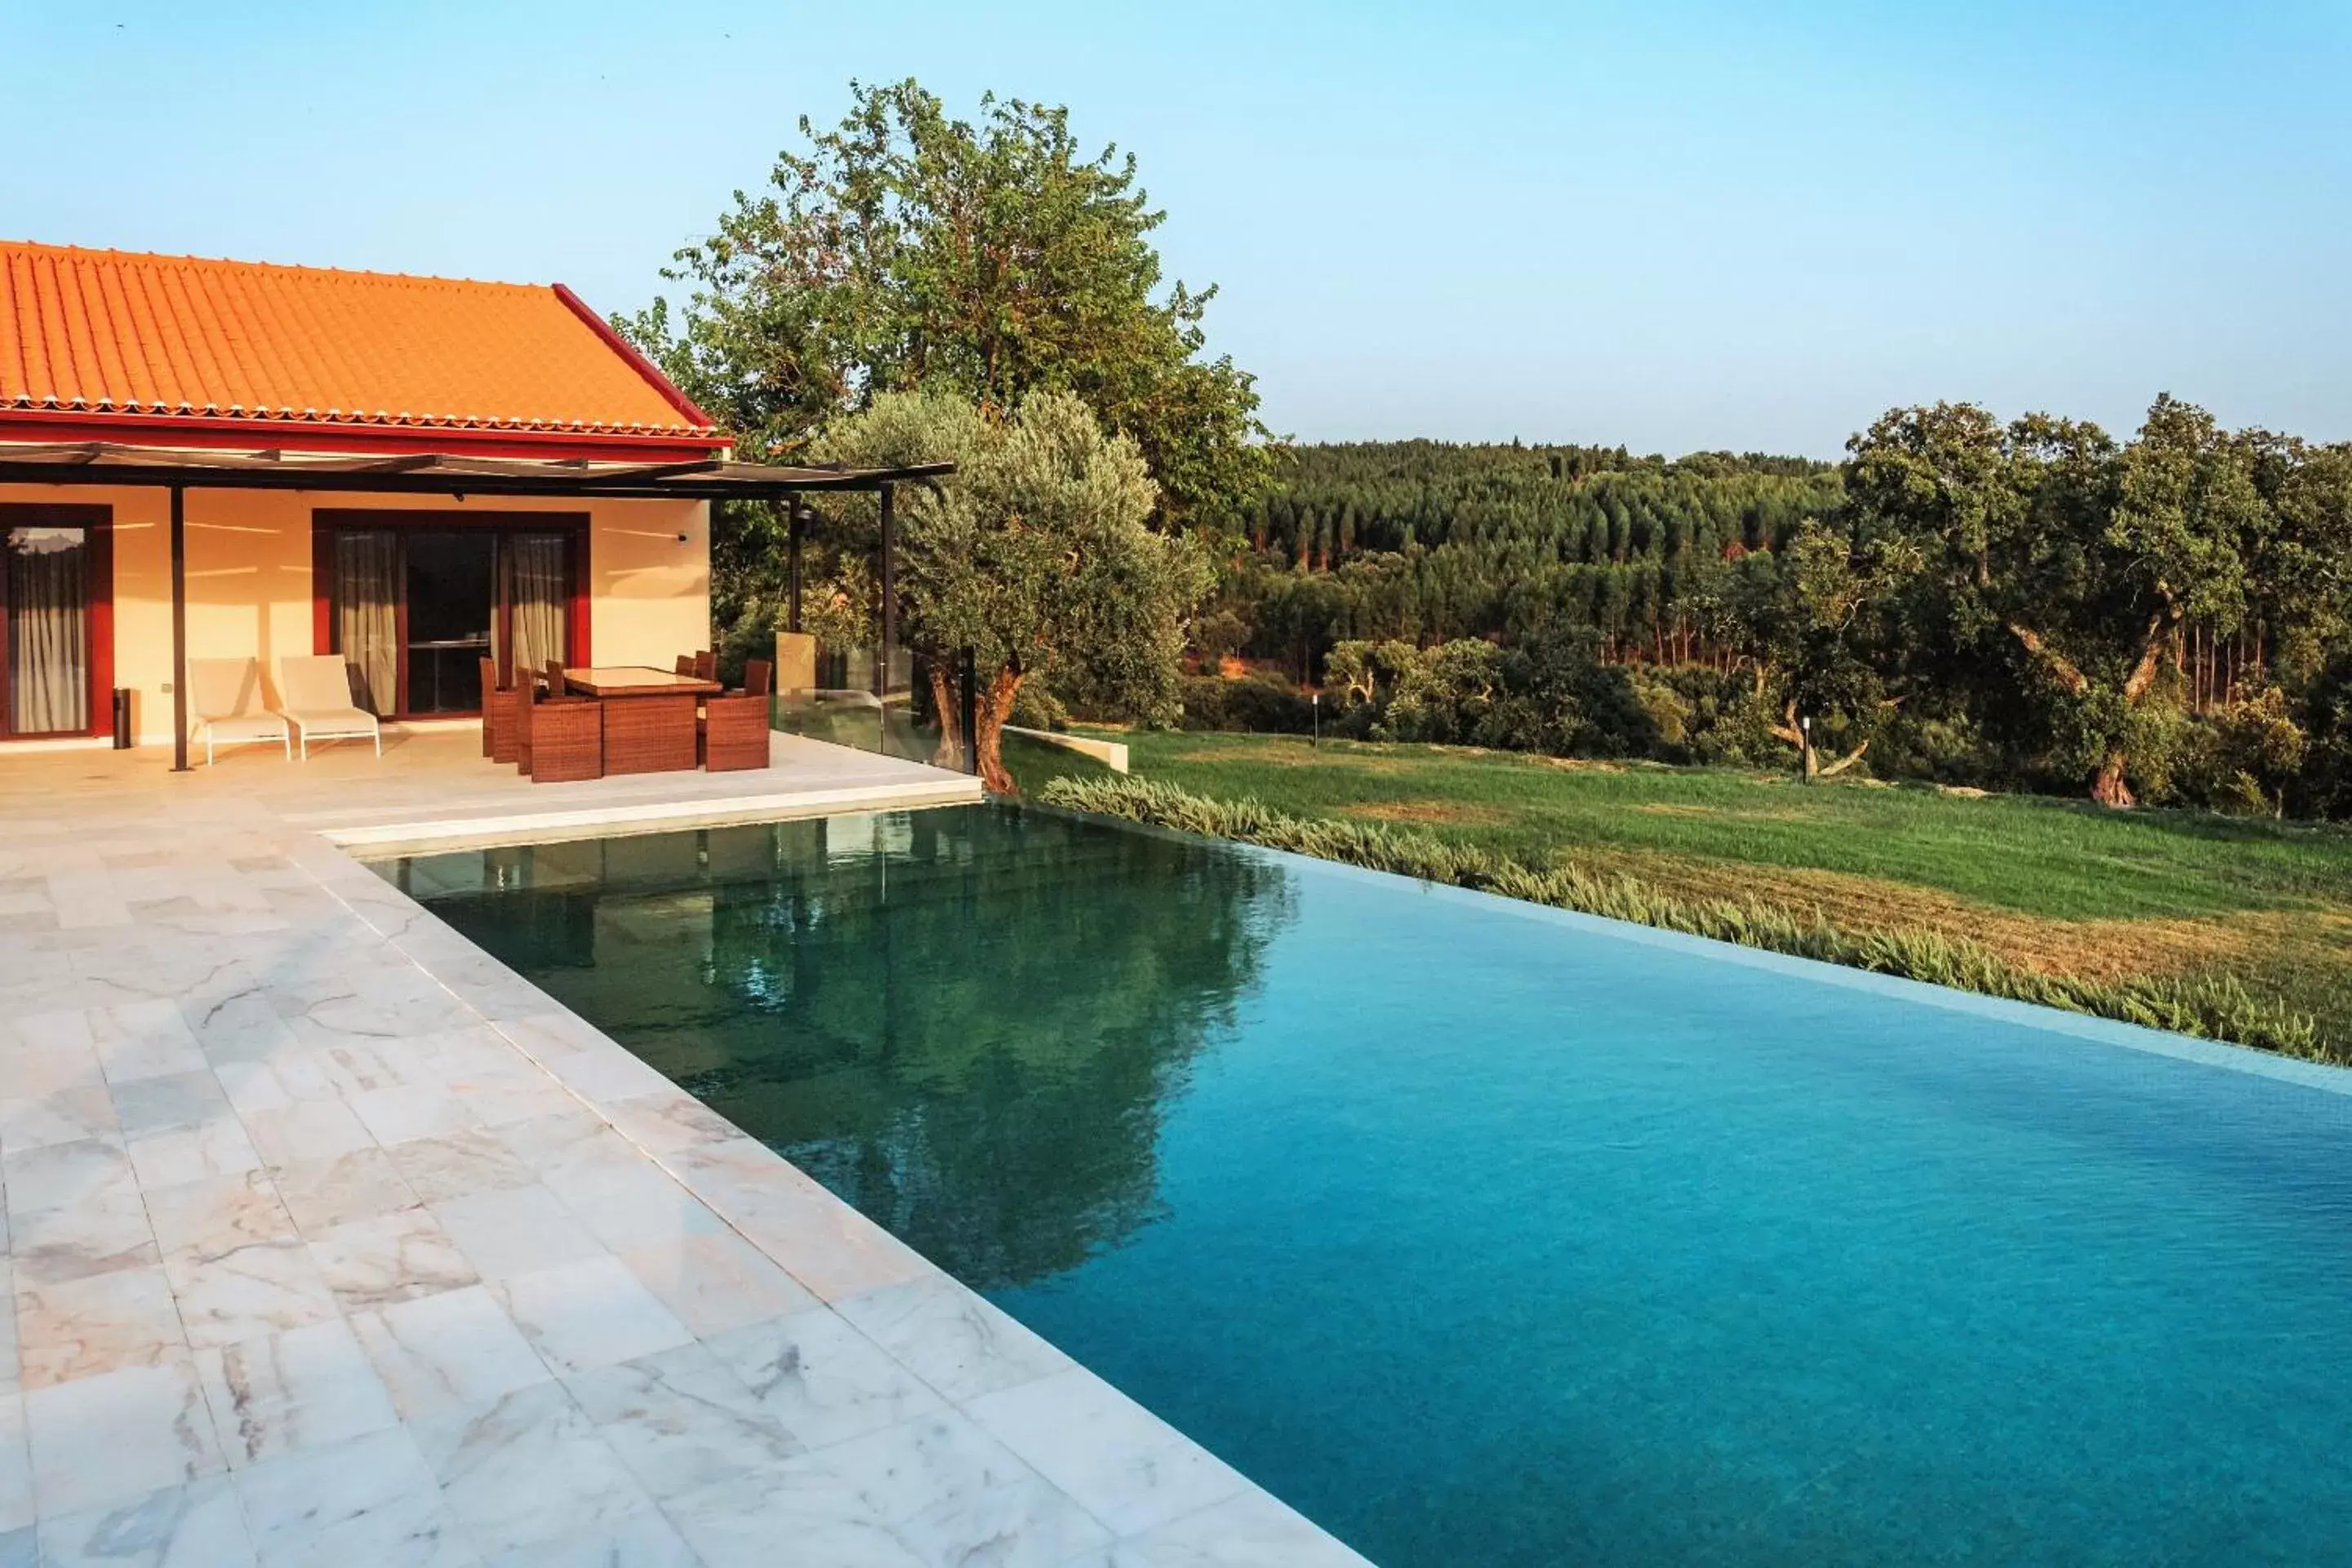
<point x="179" y="630"/>
<point x="889" y="598"/>
<point x="799" y="516"/>
<point x="970" y="674"/>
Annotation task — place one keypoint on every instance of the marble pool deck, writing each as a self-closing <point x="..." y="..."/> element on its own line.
<point x="327" y="1239"/>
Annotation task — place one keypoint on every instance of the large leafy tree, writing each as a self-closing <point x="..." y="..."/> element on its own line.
<point x="2070" y="563"/>
<point x="908" y="250"/>
<point x="1036" y="555"/>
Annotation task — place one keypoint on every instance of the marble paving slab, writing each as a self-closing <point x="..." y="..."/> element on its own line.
<point x="326" y="1238"/>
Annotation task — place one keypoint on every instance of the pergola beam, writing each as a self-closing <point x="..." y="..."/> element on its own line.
<point x="435" y="473"/>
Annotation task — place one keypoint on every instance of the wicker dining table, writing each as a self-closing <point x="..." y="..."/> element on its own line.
<point x="648" y="715"/>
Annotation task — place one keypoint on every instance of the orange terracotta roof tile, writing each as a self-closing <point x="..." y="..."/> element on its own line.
<point x="108" y="331"/>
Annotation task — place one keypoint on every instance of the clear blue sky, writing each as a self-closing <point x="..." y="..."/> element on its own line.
<point x="1676" y="225"/>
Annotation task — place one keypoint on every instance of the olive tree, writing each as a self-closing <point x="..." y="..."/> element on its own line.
<point x="1036" y="555"/>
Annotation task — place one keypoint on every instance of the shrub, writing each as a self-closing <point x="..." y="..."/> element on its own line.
<point x="1261" y="703"/>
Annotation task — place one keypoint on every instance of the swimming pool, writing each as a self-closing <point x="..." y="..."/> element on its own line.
<point x="1486" y="1234"/>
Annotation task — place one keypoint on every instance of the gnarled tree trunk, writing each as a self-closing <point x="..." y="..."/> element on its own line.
<point x="996" y="708"/>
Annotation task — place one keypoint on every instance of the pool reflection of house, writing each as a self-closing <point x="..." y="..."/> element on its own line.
<point x="209" y="459"/>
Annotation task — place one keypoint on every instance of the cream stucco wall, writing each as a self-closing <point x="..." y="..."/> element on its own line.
<point x="249" y="587"/>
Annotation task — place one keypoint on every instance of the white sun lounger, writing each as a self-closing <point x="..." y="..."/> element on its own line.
<point x="317" y="690"/>
<point x="226" y="694"/>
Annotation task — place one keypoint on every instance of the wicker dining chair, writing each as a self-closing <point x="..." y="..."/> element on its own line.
<point x="564" y="737"/>
<point x="734" y="732"/>
<point x="498" y="722"/>
<point x="758" y="676"/>
<point x="684" y="665"/>
<point x="706" y="665"/>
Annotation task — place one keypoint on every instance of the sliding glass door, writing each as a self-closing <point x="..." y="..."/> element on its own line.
<point x="414" y="601"/>
<point x="55" y="587"/>
<point x="453" y="602"/>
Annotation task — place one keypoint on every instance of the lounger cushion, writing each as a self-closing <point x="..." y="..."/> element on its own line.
<point x="336" y="720"/>
<point x="245" y="727"/>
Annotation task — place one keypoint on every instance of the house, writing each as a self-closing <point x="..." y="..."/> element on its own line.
<point x="205" y="459"/>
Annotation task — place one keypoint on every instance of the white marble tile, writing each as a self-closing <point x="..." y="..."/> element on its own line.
<point x="168" y="1100"/>
<point x="211" y="1148"/>
<point x="461" y="1164"/>
<point x="96" y="1236"/>
<point x="551" y="1035"/>
<point x="528" y="1469"/>
<point x="404" y="1113"/>
<point x="517" y="1231"/>
<point x="682" y="1421"/>
<point x="16" y="1508"/>
<point x="65" y="1114"/>
<point x="716" y="1282"/>
<point x="144" y="1040"/>
<point x="200" y="1220"/>
<point x="373" y="1500"/>
<point x="61" y="1175"/>
<point x="455" y="1348"/>
<point x="198" y="1525"/>
<point x="820" y="1240"/>
<point x="743" y="1523"/>
<point x="1252" y="1530"/>
<point x="669" y="1119"/>
<point x="394" y="1001"/>
<point x="82" y="1327"/>
<point x="505" y="1099"/>
<point x="393" y="1258"/>
<point x="105" y="1439"/>
<point x="589" y="1313"/>
<point x="951" y="1491"/>
<point x="249" y="1293"/>
<point x="9" y="1367"/>
<point x="238" y="1026"/>
<point x="952" y="1338"/>
<point x="822" y="1379"/>
<point x="645" y="1540"/>
<point x="573" y="1136"/>
<point x="307" y="1130"/>
<point x="625" y="1200"/>
<point x="302" y="1389"/>
<point x="344" y="1188"/>
<point x="1121" y="1463"/>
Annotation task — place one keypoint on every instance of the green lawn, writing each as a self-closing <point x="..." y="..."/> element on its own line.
<point x="2065" y="887"/>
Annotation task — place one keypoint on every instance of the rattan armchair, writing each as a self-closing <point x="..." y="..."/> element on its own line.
<point x="499" y="720"/>
<point x="561" y="738"/>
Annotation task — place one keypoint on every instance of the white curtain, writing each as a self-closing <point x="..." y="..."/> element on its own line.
<point x="367" y="613"/>
<point x="49" y="631"/>
<point x="542" y="599"/>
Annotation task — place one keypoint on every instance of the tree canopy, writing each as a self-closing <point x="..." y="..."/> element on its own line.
<point x="908" y="250"/>
<point x="1036" y="555"/>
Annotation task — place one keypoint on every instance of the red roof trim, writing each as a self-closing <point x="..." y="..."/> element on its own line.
<point x="303" y="435"/>
<point x="637" y="361"/>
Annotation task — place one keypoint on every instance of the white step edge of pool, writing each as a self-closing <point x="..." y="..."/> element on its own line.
<point x="660" y="815"/>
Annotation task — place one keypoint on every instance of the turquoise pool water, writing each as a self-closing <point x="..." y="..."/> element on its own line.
<point x="1489" y="1236"/>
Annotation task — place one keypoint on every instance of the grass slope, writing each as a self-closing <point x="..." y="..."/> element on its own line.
<point x="2059" y="889"/>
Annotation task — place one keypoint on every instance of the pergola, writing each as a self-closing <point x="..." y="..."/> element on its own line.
<point x="181" y="469"/>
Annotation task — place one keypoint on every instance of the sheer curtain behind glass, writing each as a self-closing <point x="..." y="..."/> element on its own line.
<point x="367" y="614"/>
<point x="49" y="631"/>
<point x="543" y="598"/>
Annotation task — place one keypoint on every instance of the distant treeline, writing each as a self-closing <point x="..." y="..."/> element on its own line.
<point x="1428" y="541"/>
<point x="2031" y="605"/>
